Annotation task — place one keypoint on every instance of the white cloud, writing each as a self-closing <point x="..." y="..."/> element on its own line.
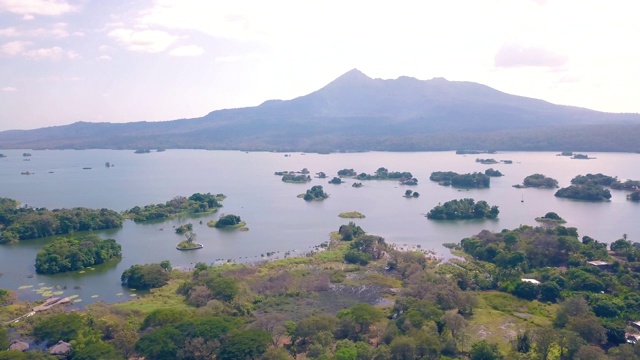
<point x="104" y="57"/>
<point x="22" y="48"/>
<point x="188" y="50"/>
<point x="9" y="89"/>
<point x="28" y="17"/>
<point x="9" y="32"/>
<point x="145" y="41"/>
<point x="14" y="48"/>
<point x="513" y="55"/>
<point x="28" y="8"/>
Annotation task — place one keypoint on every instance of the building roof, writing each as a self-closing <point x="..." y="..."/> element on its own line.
<point x="61" y="348"/>
<point x="18" y="345"/>
<point x="533" y="281"/>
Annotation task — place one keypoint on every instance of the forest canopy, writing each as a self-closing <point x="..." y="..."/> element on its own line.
<point x="23" y="223"/>
<point x="463" y="209"/>
<point x="76" y="253"/>
<point x="194" y="204"/>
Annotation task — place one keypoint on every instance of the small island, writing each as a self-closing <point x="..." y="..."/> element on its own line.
<point x="384" y="174"/>
<point x="450" y="178"/>
<point x="565" y="153"/>
<point x="228" y="221"/>
<point x="26" y="154"/>
<point x="296" y="178"/>
<point x="2" y="155"/>
<point x="76" y="253"/>
<point x="356" y="185"/>
<point x="195" y="204"/>
<point x="538" y="181"/>
<point x="634" y="196"/>
<point x="190" y="243"/>
<point x="351" y="215"/>
<point x="474" y="152"/>
<point x="336" y="180"/>
<point x="411" y="194"/>
<point x="486" y="161"/>
<point x="321" y="175"/>
<point x="589" y="192"/>
<point x="147" y="276"/>
<point x="552" y="218"/>
<point x="142" y="151"/>
<point x="316" y="193"/>
<point x="347" y="173"/>
<point x="493" y="173"/>
<point x="581" y="157"/>
<point x="463" y="209"/>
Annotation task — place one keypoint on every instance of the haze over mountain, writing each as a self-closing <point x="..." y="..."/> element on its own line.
<point x="357" y="113"/>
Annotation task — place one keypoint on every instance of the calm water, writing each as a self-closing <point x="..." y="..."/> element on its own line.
<point x="278" y="220"/>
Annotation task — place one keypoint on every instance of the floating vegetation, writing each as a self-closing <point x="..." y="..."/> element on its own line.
<point x="119" y="294"/>
<point x="73" y="296"/>
<point x="81" y="272"/>
<point x="40" y="284"/>
<point x="47" y="293"/>
<point x="58" y="292"/>
<point x="25" y="287"/>
<point x="91" y="268"/>
<point x="77" y="300"/>
<point x="94" y="296"/>
<point x="132" y="295"/>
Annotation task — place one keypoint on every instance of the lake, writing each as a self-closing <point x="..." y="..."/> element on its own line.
<point x="279" y="221"/>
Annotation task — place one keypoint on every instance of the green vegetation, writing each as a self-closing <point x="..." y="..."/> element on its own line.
<point x="538" y="181"/>
<point x="335" y="180"/>
<point x="351" y="215"/>
<point x="486" y="161"/>
<point x="190" y="243"/>
<point x="493" y="173"/>
<point x="296" y="178"/>
<point x="185" y="228"/>
<point x="315" y="193"/>
<point x="142" y="151"/>
<point x="551" y="217"/>
<point x="356" y="185"/>
<point x="450" y="178"/>
<point x="411" y="194"/>
<point x="228" y="221"/>
<point x="347" y="172"/>
<point x="23" y="223"/>
<point x="589" y="192"/>
<point x="634" y="196"/>
<point x="463" y="209"/>
<point x="195" y="204"/>
<point x="384" y="174"/>
<point x="148" y="276"/>
<point x="73" y="253"/>
<point x="565" y="153"/>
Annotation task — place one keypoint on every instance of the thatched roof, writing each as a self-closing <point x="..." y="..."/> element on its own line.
<point x="18" y="345"/>
<point x="61" y="348"/>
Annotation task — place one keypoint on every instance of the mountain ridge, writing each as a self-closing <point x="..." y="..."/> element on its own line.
<point x="357" y="113"/>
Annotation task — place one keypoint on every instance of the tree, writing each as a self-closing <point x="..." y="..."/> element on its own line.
<point x="590" y="352"/>
<point x="64" y="327"/>
<point x="247" y="344"/>
<point x="403" y="348"/>
<point x="146" y="276"/>
<point x="364" y="315"/>
<point x="483" y="350"/>
<point x="543" y="340"/>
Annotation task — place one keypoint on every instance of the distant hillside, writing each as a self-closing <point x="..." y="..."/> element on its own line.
<point x="357" y="113"/>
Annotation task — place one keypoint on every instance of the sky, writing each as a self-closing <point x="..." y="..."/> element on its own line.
<point x="63" y="61"/>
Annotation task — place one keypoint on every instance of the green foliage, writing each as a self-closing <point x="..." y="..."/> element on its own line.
<point x="163" y="317"/>
<point x="146" y="276"/>
<point x="70" y="254"/>
<point x="64" y="327"/>
<point x="247" y="344"/>
<point x="350" y="231"/>
<point x="194" y="204"/>
<point x="23" y="223"/>
<point x="315" y="193"/>
<point x="594" y="179"/>
<point x="182" y="229"/>
<point x="463" y="209"/>
<point x="590" y="192"/>
<point x="293" y="178"/>
<point x="471" y="180"/>
<point x="483" y="350"/>
<point x="335" y="180"/>
<point x="493" y="173"/>
<point x="357" y="257"/>
<point x="634" y="196"/>
<point x="347" y="172"/>
<point x="539" y="181"/>
<point x="363" y="314"/>
<point x="384" y="174"/>
<point x="4" y="337"/>
<point x="228" y="220"/>
<point x="95" y="350"/>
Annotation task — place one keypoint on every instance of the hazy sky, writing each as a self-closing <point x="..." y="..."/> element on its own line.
<point x="63" y="61"/>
